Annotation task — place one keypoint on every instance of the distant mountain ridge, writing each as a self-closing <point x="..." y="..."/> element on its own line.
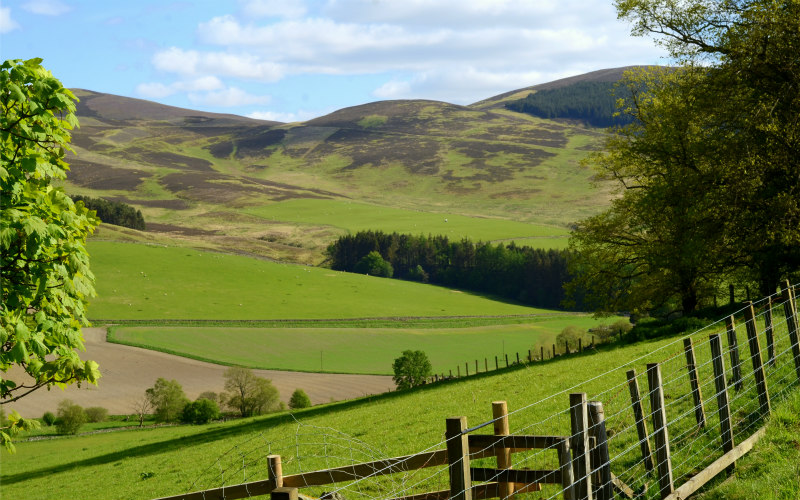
<point x="212" y="178"/>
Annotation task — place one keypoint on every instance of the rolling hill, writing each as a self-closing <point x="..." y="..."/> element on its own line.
<point x="234" y="184"/>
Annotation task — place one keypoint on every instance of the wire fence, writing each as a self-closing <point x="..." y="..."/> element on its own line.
<point x="638" y="430"/>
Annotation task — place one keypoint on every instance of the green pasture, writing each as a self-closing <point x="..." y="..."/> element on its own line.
<point x="150" y="463"/>
<point x="136" y="281"/>
<point x="353" y="217"/>
<point x="352" y="350"/>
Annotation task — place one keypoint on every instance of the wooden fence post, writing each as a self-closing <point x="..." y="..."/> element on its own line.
<point x="769" y="334"/>
<point x="791" y="322"/>
<point x="579" y="444"/>
<point x="458" y="458"/>
<point x="476" y="367"/>
<point x="641" y="423"/>
<point x="496" y="364"/>
<point x="501" y="428"/>
<point x="565" y="466"/>
<point x="597" y="430"/>
<point x="284" y="494"/>
<point x="541" y="354"/>
<point x="486" y="365"/>
<point x="530" y="356"/>
<point x="755" y="356"/>
<point x="275" y="470"/>
<point x="663" y="460"/>
<point x="506" y="360"/>
<point x="458" y="370"/>
<point x="721" y="385"/>
<point x="466" y="369"/>
<point x="733" y="346"/>
<point x="580" y="346"/>
<point x="697" y="394"/>
<point x="517" y="357"/>
<point x="554" y="350"/>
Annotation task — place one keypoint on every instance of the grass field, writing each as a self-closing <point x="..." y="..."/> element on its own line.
<point x="351" y="350"/>
<point x="196" y="457"/>
<point x="155" y="282"/>
<point x="353" y="217"/>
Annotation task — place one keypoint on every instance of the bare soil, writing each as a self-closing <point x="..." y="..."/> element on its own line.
<point x="129" y="371"/>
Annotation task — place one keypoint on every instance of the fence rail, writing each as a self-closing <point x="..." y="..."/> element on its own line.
<point x="606" y="450"/>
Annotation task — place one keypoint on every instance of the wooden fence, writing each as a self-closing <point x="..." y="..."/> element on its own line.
<point x="585" y="467"/>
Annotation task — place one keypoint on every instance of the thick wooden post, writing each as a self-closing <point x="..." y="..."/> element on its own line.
<point x="496" y="364"/>
<point x="663" y="459"/>
<point x="769" y="334"/>
<point x="530" y="356"/>
<point x="541" y="353"/>
<point x="721" y="385"/>
<point x="486" y="365"/>
<point x="565" y="466"/>
<point x="466" y="369"/>
<point x="791" y="323"/>
<point x="579" y="444"/>
<point x="284" y="494"/>
<point x="517" y="357"/>
<point x="458" y="370"/>
<point x="506" y="360"/>
<point x="554" y="350"/>
<point x="641" y="423"/>
<point x="458" y="458"/>
<point x="580" y="346"/>
<point x="476" y="367"/>
<point x="501" y="428"/>
<point x="755" y="356"/>
<point x="733" y="347"/>
<point x="694" y="380"/>
<point x="597" y="430"/>
<point x="275" y="470"/>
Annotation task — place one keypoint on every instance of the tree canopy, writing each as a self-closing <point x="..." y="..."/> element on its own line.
<point x="46" y="280"/>
<point x="708" y="173"/>
<point x="411" y="369"/>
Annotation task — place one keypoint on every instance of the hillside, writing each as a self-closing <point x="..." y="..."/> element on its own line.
<point x="236" y="184"/>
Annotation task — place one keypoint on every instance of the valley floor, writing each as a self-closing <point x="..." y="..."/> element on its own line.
<point x="129" y="371"/>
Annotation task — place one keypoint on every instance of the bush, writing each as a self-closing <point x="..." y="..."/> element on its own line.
<point x="374" y="265"/>
<point x="48" y="418"/>
<point x="200" y="412"/>
<point x="569" y="334"/>
<point x="299" y="400"/>
<point x="411" y="369"/>
<point x="70" y="417"/>
<point x="210" y="395"/>
<point x="418" y="274"/>
<point x="167" y="399"/>
<point x="96" y="414"/>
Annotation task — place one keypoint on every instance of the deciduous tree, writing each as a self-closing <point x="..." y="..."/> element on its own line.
<point x="167" y="399"/>
<point x="248" y="393"/>
<point x="411" y="369"/>
<point x="46" y="280"/>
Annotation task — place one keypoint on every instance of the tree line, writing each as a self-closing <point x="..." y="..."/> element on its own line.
<point x="590" y="102"/>
<point x="113" y="212"/>
<point x="532" y="276"/>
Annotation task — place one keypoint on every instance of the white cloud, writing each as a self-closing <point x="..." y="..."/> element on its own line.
<point x="157" y="90"/>
<point x="273" y="8"/>
<point x="6" y="23"/>
<point x="194" y="63"/>
<point x="227" y="98"/>
<point x="276" y="116"/>
<point x="46" y="7"/>
<point x="154" y="90"/>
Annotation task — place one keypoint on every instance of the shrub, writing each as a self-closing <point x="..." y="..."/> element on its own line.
<point x="411" y="369"/>
<point x="210" y="395"/>
<point x="374" y="265"/>
<point x="569" y="334"/>
<point x="167" y="399"/>
<point x="418" y="274"/>
<point x="70" y="417"/>
<point x="96" y="414"/>
<point x="200" y="412"/>
<point x="299" y="400"/>
<point x="48" y="418"/>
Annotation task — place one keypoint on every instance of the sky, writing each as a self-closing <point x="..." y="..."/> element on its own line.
<point x="293" y="60"/>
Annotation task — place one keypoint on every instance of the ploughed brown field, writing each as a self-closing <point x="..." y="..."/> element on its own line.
<point x="129" y="371"/>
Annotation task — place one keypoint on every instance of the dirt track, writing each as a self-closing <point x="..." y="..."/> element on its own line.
<point x="128" y="371"/>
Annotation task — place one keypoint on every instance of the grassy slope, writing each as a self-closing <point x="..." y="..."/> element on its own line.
<point x="409" y="164"/>
<point x="110" y="465"/>
<point x="154" y="282"/>
<point x="352" y="350"/>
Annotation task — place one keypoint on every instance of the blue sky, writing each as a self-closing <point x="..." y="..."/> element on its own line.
<point x="293" y="59"/>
